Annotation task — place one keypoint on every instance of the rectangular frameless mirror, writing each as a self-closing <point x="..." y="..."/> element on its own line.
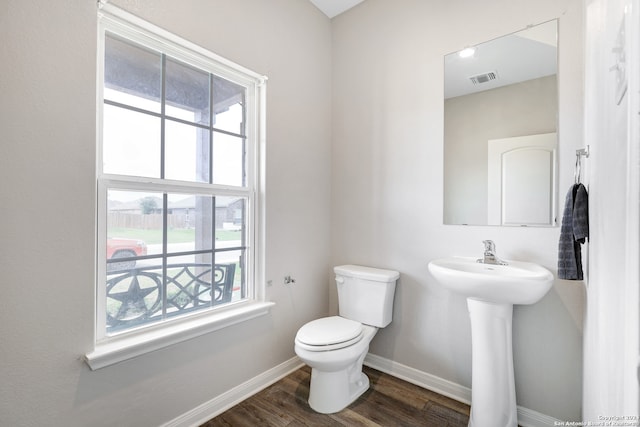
<point x="500" y="130"/>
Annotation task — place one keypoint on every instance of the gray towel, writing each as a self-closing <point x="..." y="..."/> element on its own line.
<point x="574" y="232"/>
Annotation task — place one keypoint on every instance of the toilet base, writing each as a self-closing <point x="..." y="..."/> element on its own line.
<point x="331" y="392"/>
<point x="337" y="379"/>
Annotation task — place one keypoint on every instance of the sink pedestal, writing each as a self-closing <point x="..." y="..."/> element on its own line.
<point x="493" y="392"/>
<point x="491" y="291"/>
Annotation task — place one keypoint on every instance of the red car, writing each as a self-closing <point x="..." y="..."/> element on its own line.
<point x="124" y="248"/>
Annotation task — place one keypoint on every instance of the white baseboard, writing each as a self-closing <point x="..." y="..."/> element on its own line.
<point x="419" y="378"/>
<point x="221" y="403"/>
<point x="526" y="417"/>
<point x="530" y="418"/>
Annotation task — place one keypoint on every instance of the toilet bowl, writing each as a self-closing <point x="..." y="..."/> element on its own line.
<point x="337" y="377"/>
<point x="335" y="347"/>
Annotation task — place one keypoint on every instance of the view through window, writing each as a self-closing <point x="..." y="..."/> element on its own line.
<point x="175" y="188"/>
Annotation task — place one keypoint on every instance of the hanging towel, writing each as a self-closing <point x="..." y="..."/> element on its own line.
<point x="574" y="232"/>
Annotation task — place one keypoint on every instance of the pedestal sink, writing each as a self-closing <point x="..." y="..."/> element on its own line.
<point x="491" y="291"/>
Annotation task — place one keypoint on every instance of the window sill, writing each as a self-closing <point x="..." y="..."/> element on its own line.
<point x="121" y="348"/>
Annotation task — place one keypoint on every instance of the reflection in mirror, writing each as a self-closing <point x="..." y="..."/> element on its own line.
<point x="500" y="128"/>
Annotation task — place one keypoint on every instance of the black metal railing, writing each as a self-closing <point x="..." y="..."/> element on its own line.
<point x="140" y="295"/>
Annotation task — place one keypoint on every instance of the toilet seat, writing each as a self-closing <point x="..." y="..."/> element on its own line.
<point x="329" y="333"/>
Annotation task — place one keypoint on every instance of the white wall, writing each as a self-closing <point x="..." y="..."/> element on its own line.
<point x="47" y="235"/>
<point x="387" y="187"/>
<point x="612" y="130"/>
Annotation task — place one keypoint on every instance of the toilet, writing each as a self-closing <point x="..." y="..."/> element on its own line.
<point x="335" y="347"/>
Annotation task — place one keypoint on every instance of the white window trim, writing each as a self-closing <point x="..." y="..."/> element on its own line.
<point x="109" y="350"/>
<point x="127" y="346"/>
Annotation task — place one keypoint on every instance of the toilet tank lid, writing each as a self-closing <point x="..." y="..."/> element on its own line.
<point x="366" y="273"/>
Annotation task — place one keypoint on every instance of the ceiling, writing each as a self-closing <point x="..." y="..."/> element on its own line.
<point x="333" y="8"/>
<point x="526" y="55"/>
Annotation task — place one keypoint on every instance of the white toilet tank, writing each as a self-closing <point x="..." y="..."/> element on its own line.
<point x="365" y="294"/>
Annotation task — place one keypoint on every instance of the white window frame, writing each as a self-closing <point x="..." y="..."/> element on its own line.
<point x="110" y="349"/>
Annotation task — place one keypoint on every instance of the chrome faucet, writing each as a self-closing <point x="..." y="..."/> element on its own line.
<point x="490" y="254"/>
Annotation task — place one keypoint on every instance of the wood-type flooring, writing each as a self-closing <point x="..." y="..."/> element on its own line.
<point x="389" y="402"/>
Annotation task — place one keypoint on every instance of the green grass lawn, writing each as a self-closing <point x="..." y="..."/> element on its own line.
<point x="176" y="235"/>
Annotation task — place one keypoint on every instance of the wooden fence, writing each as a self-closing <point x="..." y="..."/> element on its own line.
<point x="149" y="221"/>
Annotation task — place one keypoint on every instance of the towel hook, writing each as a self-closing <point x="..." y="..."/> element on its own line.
<point x="579" y="153"/>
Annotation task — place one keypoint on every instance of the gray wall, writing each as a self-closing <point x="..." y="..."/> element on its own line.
<point x="387" y="187"/>
<point x="47" y="228"/>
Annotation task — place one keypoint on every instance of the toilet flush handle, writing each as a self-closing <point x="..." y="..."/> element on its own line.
<point x="339" y="280"/>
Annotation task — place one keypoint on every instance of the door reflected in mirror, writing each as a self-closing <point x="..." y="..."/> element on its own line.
<point x="500" y="131"/>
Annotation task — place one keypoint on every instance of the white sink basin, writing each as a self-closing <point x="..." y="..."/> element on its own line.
<point x="516" y="283"/>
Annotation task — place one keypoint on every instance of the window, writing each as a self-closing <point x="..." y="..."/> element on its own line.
<point x="178" y="183"/>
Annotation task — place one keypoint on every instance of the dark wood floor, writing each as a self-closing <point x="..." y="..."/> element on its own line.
<point x="388" y="402"/>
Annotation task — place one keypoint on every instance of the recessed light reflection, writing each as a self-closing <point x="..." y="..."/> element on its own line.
<point x="467" y="52"/>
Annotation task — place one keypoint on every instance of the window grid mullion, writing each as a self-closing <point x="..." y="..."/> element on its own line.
<point x="211" y="117"/>
<point x="165" y="245"/>
<point x="165" y="198"/>
<point x="243" y="253"/>
<point x="213" y="199"/>
<point x="174" y="119"/>
<point x="213" y="245"/>
<point x="163" y="105"/>
<point x="243" y="130"/>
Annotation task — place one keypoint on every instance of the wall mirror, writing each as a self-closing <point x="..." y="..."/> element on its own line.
<point x="500" y="130"/>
